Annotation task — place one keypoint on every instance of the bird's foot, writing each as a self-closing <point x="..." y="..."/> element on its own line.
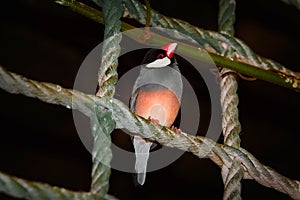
<point x="177" y="130"/>
<point x="154" y="121"/>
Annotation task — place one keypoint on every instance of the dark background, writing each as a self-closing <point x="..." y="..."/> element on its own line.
<point x="47" y="42"/>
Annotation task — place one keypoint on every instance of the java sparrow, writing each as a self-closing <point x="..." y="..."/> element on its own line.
<point x="156" y="95"/>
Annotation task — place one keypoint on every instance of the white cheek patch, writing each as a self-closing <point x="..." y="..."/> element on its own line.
<point x="159" y="63"/>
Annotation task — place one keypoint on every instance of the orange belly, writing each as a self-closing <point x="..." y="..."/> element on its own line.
<point x="162" y="105"/>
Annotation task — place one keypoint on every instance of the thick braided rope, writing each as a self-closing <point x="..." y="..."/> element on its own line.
<point x="231" y="129"/>
<point x="107" y="75"/>
<point x="35" y="190"/>
<point x="46" y="92"/>
<point x="213" y="42"/>
<point x="102" y="124"/>
<point x="199" y="146"/>
<point x="229" y="101"/>
<point x="21" y="188"/>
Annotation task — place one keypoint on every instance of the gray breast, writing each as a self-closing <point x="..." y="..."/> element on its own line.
<point x="168" y="77"/>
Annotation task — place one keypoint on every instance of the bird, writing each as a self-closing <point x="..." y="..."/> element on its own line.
<point x="156" y="95"/>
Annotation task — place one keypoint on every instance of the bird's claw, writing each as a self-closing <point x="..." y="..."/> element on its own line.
<point x="177" y="130"/>
<point x="154" y="121"/>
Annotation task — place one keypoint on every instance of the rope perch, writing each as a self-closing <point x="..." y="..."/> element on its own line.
<point x="201" y="147"/>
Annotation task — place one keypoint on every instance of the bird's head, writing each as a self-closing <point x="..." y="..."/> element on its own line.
<point x="158" y="58"/>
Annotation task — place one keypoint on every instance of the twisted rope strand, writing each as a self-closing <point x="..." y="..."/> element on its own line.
<point x="231" y="128"/>
<point x="21" y="188"/>
<point x="124" y="118"/>
<point x="211" y="41"/>
<point x="103" y="124"/>
<point x="46" y="92"/>
<point x="229" y="101"/>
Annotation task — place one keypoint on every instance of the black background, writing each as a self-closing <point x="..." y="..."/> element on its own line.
<point x="47" y="42"/>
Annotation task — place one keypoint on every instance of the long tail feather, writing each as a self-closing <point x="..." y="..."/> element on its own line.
<point x="142" y="149"/>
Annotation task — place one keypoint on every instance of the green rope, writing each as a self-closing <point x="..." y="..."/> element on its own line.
<point x="247" y="61"/>
<point x="226" y="17"/>
<point x="21" y="188"/>
<point x="124" y="118"/>
<point x="215" y="43"/>
<point x="229" y="101"/>
<point x="102" y="123"/>
<point x="230" y="158"/>
<point x="107" y="75"/>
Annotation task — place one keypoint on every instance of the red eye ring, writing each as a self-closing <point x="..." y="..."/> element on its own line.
<point x="160" y="56"/>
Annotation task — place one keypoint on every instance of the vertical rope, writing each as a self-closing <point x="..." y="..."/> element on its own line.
<point x="229" y="101"/>
<point x="102" y="123"/>
<point x="107" y="75"/>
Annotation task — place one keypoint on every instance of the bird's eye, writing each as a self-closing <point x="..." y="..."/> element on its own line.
<point x="160" y="56"/>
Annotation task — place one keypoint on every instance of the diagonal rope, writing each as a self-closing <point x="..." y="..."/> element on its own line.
<point x="33" y="190"/>
<point x="21" y="188"/>
<point x="247" y="62"/>
<point x="213" y="42"/>
<point x="231" y="158"/>
<point x="124" y="118"/>
<point x="229" y="101"/>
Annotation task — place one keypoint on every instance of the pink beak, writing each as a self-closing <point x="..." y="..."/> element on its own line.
<point x="170" y="49"/>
